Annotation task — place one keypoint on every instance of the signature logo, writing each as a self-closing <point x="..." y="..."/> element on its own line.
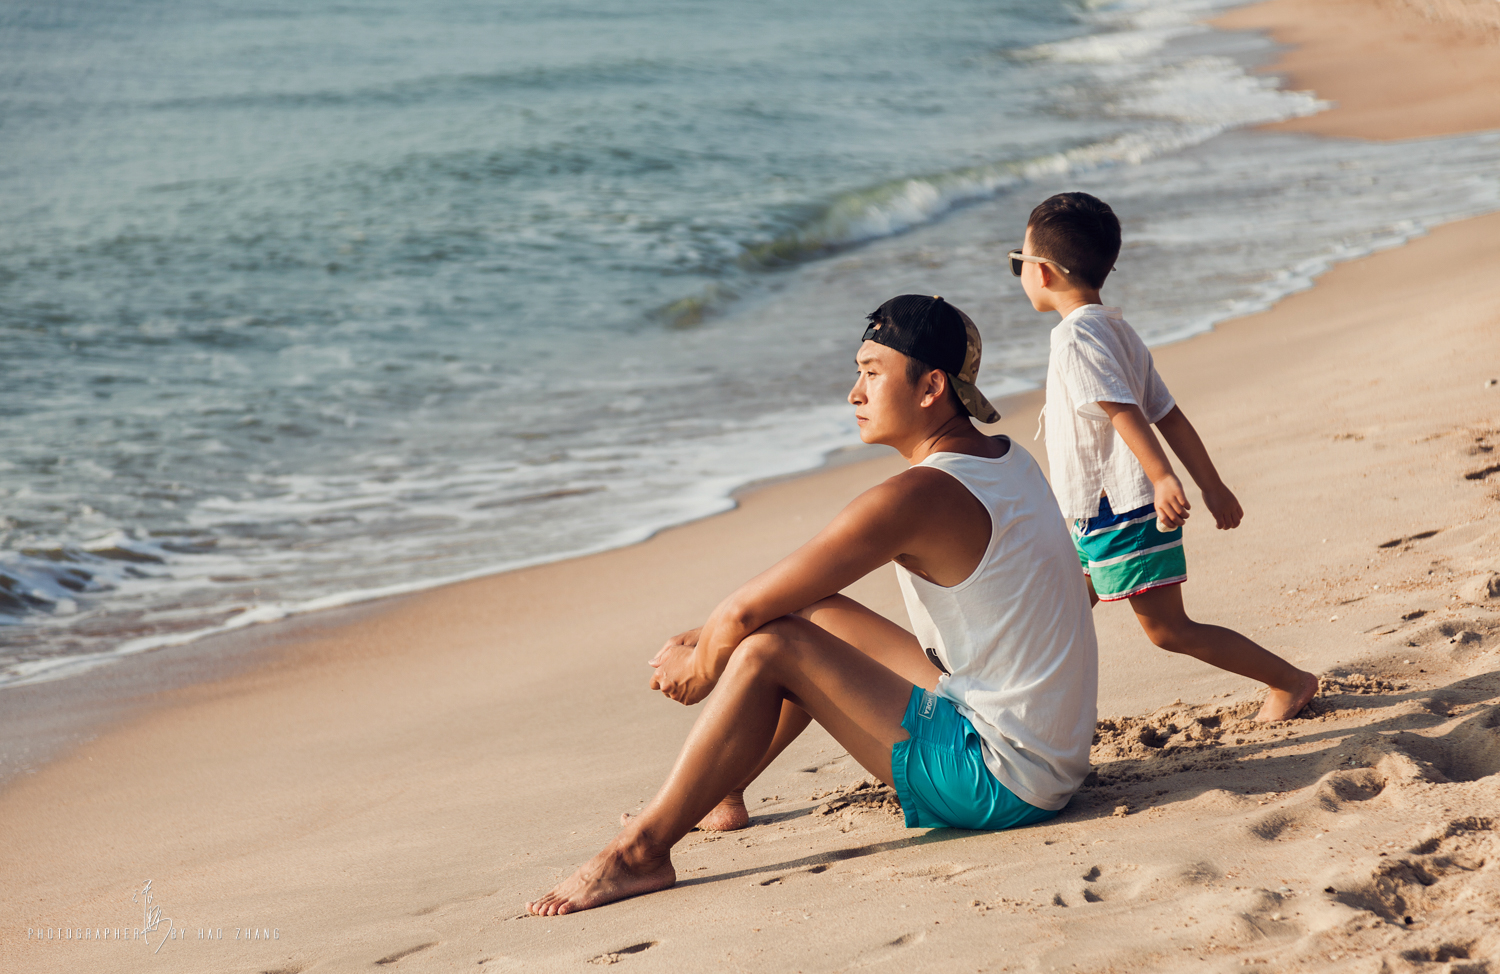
<point x="152" y="922"/>
<point x="154" y="919"/>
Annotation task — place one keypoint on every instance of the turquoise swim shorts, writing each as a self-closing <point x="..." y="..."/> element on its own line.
<point x="941" y="777"/>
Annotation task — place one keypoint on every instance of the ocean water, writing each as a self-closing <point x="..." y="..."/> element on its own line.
<point x="302" y="303"/>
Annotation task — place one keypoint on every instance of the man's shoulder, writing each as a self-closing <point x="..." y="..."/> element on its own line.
<point x="917" y="482"/>
<point x="917" y="489"/>
<point x="954" y="470"/>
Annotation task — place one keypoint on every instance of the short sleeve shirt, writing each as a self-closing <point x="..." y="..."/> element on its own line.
<point x="1097" y="357"/>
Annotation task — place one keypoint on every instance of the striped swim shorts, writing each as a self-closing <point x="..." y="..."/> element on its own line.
<point x="1125" y="555"/>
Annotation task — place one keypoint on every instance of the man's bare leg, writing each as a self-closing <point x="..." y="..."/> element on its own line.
<point x="867" y="631"/>
<point x="859" y="701"/>
<point x="731" y="815"/>
<point x="1166" y="623"/>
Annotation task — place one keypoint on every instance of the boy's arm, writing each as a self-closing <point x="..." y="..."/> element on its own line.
<point x="1128" y="420"/>
<point x="1184" y="441"/>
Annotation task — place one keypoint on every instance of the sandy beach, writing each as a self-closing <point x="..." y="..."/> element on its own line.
<point x="383" y="787"/>
<point x="1397" y="69"/>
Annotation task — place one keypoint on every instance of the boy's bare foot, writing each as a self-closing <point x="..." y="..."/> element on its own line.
<point x="618" y="872"/>
<point x="1284" y="705"/>
<point x="730" y="815"/>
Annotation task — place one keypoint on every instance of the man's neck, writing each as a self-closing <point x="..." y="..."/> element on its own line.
<point x="955" y="435"/>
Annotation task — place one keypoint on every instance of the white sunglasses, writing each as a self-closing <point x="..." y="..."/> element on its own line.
<point x="1016" y="257"/>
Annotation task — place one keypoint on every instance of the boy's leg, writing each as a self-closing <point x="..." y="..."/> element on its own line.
<point x="872" y="634"/>
<point x="857" y="700"/>
<point x="1166" y="623"/>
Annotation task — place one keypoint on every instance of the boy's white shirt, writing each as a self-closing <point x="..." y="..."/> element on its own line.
<point x="1097" y="357"/>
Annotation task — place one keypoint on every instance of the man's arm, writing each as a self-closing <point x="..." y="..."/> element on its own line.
<point x="1184" y="441"/>
<point x="872" y="530"/>
<point x="1128" y="420"/>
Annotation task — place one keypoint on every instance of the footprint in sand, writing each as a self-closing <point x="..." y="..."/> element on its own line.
<point x="840" y="763"/>
<point x="1473" y="750"/>
<point x="400" y="955"/>
<point x="1433" y="874"/>
<point x="615" y="956"/>
<point x="810" y="871"/>
<point x="938" y="872"/>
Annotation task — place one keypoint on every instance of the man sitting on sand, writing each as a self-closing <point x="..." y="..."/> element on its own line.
<point x="982" y="720"/>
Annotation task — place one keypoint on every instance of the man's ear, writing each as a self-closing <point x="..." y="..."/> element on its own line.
<point x="934" y="387"/>
<point x="1045" y="270"/>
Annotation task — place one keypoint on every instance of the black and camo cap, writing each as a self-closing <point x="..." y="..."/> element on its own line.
<point x="931" y="329"/>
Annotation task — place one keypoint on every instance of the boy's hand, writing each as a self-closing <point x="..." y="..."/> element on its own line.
<point x="1171" y="502"/>
<point x="1223" y="505"/>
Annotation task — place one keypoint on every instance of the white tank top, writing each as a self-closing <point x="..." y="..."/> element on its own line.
<point x="1017" y="636"/>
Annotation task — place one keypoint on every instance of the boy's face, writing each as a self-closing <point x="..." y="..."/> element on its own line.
<point x="887" y="406"/>
<point x="1032" y="279"/>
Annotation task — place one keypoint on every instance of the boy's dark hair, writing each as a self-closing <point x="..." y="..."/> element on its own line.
<point x="1078" y="231"/>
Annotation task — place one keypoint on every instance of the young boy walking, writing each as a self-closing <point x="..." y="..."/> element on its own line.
<point x="1113" y="481"/>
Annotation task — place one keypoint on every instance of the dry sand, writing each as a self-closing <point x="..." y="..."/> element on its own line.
<point x="1397" y="69"/>
<point x="381" y="789"/>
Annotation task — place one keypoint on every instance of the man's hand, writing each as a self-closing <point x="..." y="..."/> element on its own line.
<point x="1223" y="505"/>
<point x="689" y="639"/>
<point x="677" y="674"/>
<point x="1171" y="502"/>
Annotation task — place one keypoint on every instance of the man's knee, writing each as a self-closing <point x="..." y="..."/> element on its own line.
<point x="769" y="645"/>
<point x="832" y="602"/>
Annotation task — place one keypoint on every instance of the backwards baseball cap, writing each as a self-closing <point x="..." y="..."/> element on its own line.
<point x="939" y="334"/>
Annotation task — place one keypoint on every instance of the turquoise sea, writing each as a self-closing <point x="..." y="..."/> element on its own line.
<point x="306" y="302"/>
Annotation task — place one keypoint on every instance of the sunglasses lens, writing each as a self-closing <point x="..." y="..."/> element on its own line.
<point x="1015" y="266"/>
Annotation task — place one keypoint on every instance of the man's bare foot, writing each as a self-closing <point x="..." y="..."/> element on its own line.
<point x="1284" y="705"/>
<point x="618" y="872"/>
<point x="730" y="815"/>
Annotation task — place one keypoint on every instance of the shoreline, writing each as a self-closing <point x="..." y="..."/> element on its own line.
<point x="1394" y="71"/>
<point x="52" y="669"/>
<point x="383" y="783"/>
<point x="240" y="616"/>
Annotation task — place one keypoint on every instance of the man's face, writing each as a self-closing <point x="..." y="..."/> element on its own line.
<point x="886" y="405"/>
